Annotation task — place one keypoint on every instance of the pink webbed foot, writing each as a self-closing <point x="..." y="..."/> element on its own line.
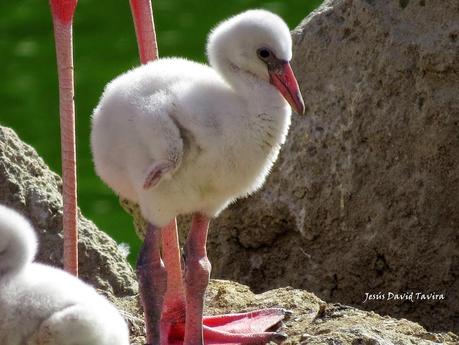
<point x="156" y="172"/>
<point x="242" y="328"/>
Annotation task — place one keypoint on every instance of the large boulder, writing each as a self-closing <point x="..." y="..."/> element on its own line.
<point x="27" y="185"/>
<point x="365" y="196"/>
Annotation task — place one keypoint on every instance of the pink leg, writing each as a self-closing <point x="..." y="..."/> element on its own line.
<point x="152" y="283"/>
<point x="145" y="30"/>
<point x="173" y="315"/>
<point x="197" y="275"/>
<point x="176" y="328"/>
<point x="62" y="12"/>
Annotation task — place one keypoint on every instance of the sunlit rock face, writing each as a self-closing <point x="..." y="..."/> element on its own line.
<point x="365" y="195"/>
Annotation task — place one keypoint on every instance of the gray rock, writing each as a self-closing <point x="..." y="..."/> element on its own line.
<point x="365" y="196"/>
<point x="27" y="185"/>
<point x="315" y="322"/>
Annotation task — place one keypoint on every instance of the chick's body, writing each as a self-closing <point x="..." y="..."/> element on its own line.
<point x="221" y="145"/>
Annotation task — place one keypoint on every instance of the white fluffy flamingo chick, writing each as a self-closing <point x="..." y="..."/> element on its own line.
<point x="179" y="137"/>
<point x="42" y="305"/>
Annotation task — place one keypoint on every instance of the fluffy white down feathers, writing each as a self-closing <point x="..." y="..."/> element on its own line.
<point x="216" y="129"/>
<point x="40" y="304"/>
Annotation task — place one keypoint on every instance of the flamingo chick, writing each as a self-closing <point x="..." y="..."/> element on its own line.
<point x="179" y="137"/>
<point x="42" y="305"/>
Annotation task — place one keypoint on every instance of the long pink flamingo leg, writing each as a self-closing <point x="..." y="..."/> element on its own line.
<point x="144" y="24"/>
<point x="173" y="314"/>
<point x="142" y="13"/>
<point x="197" y="275"/>
<point x="62" y="12"/>
<point x="152" y="283"/>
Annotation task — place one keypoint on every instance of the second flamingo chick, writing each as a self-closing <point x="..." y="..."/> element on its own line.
<point x="42" y="305"/>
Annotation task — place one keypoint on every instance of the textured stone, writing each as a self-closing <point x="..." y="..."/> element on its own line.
<point x="27" y="185"/>
<point x="365" y="196"/>
<point x="315" y="322"/>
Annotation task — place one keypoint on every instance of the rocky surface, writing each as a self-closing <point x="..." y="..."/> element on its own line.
<point x="27" y="185"/>
<point x="365" y="196"/>
<point x="315" y="322"/>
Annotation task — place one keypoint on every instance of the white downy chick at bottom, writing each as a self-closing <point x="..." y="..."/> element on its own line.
<point x="42" y="305"/>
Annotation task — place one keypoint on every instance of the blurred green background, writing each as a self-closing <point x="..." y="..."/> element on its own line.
<point x="104" y="46"/>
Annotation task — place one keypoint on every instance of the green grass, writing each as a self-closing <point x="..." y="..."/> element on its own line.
<point x="104" y="46"/>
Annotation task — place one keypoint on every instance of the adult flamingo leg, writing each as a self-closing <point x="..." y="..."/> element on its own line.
<point x="152" y="283"/>
<point x="173" y="315"/>
<point x="173" y="299"/>
<point x="197" y="275"/>
<point x="142" y="12"/>
<point x="62" y="12"/>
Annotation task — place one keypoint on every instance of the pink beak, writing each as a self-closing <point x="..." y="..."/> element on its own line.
<point x="287" y="85"/>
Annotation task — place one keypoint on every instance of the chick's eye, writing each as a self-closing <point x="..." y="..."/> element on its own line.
<point x="264" y="53"/>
